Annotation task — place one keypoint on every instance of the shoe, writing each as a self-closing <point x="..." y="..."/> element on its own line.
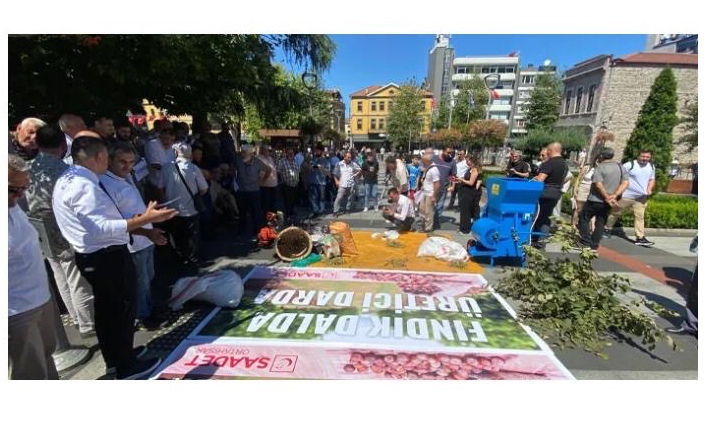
<point x="88" y="334"/>
<point x="365" y="210"/>
<point x="138" y="351"/>
<point x="644" y="242"/>
<point x="607" y="235"/>
<point x="141" y="369"/>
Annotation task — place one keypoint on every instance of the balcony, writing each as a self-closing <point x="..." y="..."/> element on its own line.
<point x="460" y="77"/>
<point x="500" y="108"/>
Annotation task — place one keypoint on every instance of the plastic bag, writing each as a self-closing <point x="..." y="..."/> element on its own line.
<point x="330" y="246"/>
<point x="443" y="249"/>
<point x="224" y="289"/>
<point x="221" y="288"/>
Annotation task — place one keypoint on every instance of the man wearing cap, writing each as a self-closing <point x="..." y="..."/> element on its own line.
<point x="610" y="179"/>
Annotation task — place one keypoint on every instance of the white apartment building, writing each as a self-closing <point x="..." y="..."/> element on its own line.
<point x="501" y="108"/>
<point x="525" y="85"/>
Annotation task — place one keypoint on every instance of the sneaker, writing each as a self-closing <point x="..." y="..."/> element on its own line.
<point x="141" y="369"/>
<point x="644" y="242"/>
<point x="138" y="351"/>
<point x="680" y="330"/>
<point x="365" y="210"/>
<point x="88" y="334"/>
<point x="607" y="234"/>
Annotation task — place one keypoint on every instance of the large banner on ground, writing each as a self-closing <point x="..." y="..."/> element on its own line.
<point x="342" y="324"/>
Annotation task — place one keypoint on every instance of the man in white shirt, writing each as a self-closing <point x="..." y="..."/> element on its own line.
<point x="429" y="186"/>
<point x="30" y="328"/>
<point x="344" y="175"/>
<point x="269" y="191"/>
<point x="158" y="152"/>
<point x="118" y="183"/>
<point x="182" y="181"/>
<point x="93" y="225"/>
<point x="401" y="212"/>
<point x="70" y="124"/>
<point x="641" y="176"/>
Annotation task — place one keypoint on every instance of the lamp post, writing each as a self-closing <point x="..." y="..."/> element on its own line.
<point x="310" y="81"/>
<point x="491" y="83"/>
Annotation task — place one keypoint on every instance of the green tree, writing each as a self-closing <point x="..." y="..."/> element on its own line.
<point x="690" y="124"/>
<point x="544" y="103"/>
<point x="469" y="105"/>
<point x="654" y="126"/>
<point x="486" y="133"/>
<point x="196" y="74"/>
<point x="405" y="119"/>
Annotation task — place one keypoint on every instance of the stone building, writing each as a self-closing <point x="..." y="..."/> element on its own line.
<point x="607" y="93"/>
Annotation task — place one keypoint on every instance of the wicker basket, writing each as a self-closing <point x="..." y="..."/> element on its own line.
<point x="293" y="243"/>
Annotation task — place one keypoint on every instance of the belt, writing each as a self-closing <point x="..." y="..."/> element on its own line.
<point x="106" y="250"/>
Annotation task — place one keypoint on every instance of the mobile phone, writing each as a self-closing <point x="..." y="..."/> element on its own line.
<point x="164" y="204"/>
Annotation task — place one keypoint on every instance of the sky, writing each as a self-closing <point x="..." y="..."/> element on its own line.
<point x="363" y="60"/>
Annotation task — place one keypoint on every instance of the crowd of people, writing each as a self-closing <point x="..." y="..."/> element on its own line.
<point x="106" y="197"/>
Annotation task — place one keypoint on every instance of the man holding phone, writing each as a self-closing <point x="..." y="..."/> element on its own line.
<point x="516" y="167"/>
<point x="118" y="183"/>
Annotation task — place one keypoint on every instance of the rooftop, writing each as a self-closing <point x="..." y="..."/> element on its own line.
<point x="659" y="58"/>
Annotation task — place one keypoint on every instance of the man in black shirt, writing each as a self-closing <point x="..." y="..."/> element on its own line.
<point x="516" y="167"/>
<point x="552" y="172"/>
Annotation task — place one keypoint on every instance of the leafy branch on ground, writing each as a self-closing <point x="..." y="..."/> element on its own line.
<point x="568" y="303"/>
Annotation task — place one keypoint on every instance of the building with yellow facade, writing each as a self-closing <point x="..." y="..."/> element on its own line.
<point x="370" y="108"/>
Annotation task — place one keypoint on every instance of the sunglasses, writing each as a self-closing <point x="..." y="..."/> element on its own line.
<point x="14" y="190"/>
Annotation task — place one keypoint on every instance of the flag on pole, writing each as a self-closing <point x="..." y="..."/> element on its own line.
<point x="514" y="54"/>
<point x="495" y="94"/>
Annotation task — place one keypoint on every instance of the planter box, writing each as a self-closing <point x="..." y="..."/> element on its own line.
<point x="680" y="186"/>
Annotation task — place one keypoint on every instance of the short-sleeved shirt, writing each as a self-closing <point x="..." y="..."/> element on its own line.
<point x="248" y="178"/>
<point x="175" y="188"/>
<point x="430" y="177"/>
<point x="639" y="177"/>
<point x="610" y="175"/>
<point x="414" y="172"/>
<point x="555" y="170"/>
<point x="520" y="166"/>
<point x="445" y="168"/>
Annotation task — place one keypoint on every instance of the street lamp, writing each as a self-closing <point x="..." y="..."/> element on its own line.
<point x="491" y="83"/>
<point x="310" y="81"/>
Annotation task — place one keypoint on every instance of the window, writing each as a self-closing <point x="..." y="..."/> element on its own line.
<point x="359" y="124"/>
<point x="360" y="106"/>
<point x="382" y="106"/>
<point x="567" y="102"/>
<point x="381" y="124"/>
<point x="372" y="124"/>
<point x="424" y="105"/>
<point x="485" y="69"/>
<point x="461" y="69"/>
<point x="579" y="96"/>
<point x="373" y="106"/>
<point x="528" y="79"/>
<point x="591" y="94"/>
<point x="520" y="123"/>
<point x="389" y="106"/>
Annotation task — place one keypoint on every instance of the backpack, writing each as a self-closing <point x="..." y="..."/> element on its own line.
<point x="632" y="165"/>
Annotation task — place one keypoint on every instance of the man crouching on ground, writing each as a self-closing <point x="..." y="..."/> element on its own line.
<point x="401" y="212"/>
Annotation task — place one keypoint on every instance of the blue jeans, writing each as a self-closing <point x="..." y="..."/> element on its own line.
<point x="317" y="197"/>
<point x="371" y="194"/>
<point x="144" y="267"/>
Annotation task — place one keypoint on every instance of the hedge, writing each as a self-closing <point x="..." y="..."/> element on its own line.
<point x="666" y="211"/>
